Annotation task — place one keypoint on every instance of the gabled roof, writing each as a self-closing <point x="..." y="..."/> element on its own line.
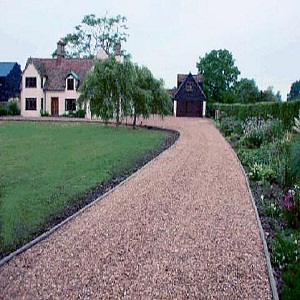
<point x="5" y="68"/>
<point x="56" y="71"/>
<point x="192" y="78"/>
<point x="182" y="77"/>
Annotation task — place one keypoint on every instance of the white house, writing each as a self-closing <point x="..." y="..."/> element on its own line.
<point x="51" y="85"/>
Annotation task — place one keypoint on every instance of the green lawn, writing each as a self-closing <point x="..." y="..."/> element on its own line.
<point x="44" y="165"/>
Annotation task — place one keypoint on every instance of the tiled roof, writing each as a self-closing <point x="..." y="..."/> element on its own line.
<point x="5" y="68"/>
<point x="57" y="70"/>
<point x="182" y="77"/>
<point x="190" y="77"/>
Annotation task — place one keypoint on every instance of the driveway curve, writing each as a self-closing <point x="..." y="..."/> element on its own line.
<point x="183" y="227"/>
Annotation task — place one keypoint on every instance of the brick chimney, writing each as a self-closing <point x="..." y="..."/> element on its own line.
<point x="117" y="50"/>
<point x="60" y="51"/>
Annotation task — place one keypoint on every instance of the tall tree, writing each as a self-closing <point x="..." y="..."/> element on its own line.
<point x="101" y="89"/>
<point x="94" y="34"/>
<point x="294" y="91"/>
<point x="269" y="95"/>
<point x="220" y="73"/>
<point x="246" y="91"/>
<point x="113" y="88"/>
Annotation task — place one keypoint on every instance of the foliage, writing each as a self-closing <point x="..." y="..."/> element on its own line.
<point x="12" y="108"/>
<point x="291" y="279"/>
<point x="59" y="163"/>
<point x="101" y="88"/>
<point x="245" y="91"/>
<point x="122" y="88"/>
<point x="80" y="113"/>
<point x="271" y="208"/>
<point x="259" y="130"/>
<point x="294" y="91"/>
<point x="259" y="172"/>
<point x="294" y="153"/>
<point x="269" y="95"/>
<point x="94" y="34"/>
<point x="220" y="74"/>
<point x="270" y="153"/>
<point x="44" y="114"/>
<point x="285" y="111"/>
<point x="285" y="249"/>
<point x="3" y="111"/>
<point x="296" y="126"/>
<point x="230" y="126"/>
<point x="291" y="207"/>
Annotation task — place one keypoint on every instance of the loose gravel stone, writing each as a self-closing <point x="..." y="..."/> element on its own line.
<point x="182" y="228"/>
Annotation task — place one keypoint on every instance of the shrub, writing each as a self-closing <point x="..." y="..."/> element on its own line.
<point x="258" y="131"/>
<point x="44" y="113"/>
<point x="229" y="126"/>
<point x="284" y="111"/>
<point x="291" y="207"/>
<point x="3" y="111"/>
<point x="259" y="172"/>
<point x="291" y="286"/>
<point x="285" y="249"/>
<point x="294" y="153"/>
<point x="12" y="108"/>
<point x="80" y="113"/>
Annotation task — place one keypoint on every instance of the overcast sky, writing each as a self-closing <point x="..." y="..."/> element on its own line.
<point x="169" y="36"/>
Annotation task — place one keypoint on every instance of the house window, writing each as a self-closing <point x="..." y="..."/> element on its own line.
<point x="70" y="84"/>
<point x="30" y="104"/>
<point x="189" y="86"/>
<point x="30" y="82"/>
<point x="70" y="104"/>
<point x="42" y="104"/>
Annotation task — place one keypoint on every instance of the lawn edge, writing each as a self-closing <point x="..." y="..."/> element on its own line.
<point x="46" y="234"/>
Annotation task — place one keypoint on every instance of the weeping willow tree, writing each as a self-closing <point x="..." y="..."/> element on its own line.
<point x="115" y="89"/>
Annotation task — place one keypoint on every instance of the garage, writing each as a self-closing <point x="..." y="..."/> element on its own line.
<point x="189" y="98"/>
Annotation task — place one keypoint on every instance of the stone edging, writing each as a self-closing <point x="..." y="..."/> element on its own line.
<point x="261" y="231"/>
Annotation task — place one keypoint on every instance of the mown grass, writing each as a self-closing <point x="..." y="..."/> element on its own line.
<point x="43" y="166"/>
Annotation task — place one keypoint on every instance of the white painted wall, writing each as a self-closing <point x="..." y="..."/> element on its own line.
<point x="175" y="107"/>
<point x="37" y="92"/>
<point x="204" y="109"/>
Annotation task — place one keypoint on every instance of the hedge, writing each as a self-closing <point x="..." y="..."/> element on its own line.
<point x="285" y="111"/>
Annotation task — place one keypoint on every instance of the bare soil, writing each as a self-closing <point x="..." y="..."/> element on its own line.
<point x="182" y="228"/>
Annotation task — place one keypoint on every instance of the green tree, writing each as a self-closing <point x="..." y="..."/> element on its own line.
<point x="94" y="34"/>
<point x="246" y="91"/>
<point x="294" y="91"/>
<point x="220" y="73"/>
<point x="113" y="88"/>
<point x="101" y="88"/>
<point x="269" y="95"/>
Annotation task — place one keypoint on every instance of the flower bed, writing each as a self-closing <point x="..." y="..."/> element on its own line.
<point x="270" y="154"/>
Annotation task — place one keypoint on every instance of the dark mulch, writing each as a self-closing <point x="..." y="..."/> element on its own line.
<point x="81" y="201"/>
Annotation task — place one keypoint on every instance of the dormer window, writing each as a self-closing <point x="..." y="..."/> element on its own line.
<point x="30" y="82"/>
<point x="70" y="84"/>
<point x="189" y="86"/>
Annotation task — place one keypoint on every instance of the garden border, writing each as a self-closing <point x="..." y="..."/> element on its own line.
<point x="261" y="231"/>
<point x="46" y="234"/>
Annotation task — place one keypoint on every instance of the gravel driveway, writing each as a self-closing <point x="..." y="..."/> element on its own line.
<point x="183" y="227"/>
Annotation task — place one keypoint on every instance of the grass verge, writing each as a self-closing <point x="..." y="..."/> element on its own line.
<point x="48" y="170"/>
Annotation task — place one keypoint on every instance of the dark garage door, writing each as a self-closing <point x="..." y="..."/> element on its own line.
<point x="189" y="109"/>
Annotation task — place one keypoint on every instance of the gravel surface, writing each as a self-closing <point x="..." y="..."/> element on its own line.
<point x="182" y="228"/>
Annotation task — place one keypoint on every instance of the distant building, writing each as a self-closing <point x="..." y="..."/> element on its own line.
<point x="52" y="85"/>
<point x="189" y="99"/>
<point x="10" y="78"/>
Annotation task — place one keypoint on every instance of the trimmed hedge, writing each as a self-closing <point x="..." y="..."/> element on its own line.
<point x="285" y="111"/>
